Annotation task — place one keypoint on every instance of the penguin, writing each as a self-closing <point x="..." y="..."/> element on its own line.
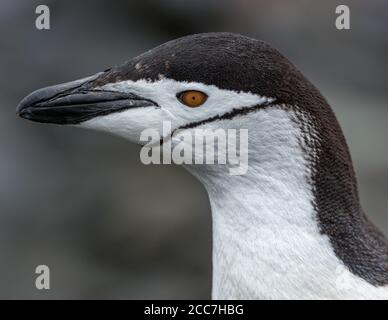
<point x="292" y="227"/>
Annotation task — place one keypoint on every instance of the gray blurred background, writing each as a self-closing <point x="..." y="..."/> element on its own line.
<point x="82" y="202"/>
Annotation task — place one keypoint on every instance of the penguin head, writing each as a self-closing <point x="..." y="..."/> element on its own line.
<point x="192" y="81"/>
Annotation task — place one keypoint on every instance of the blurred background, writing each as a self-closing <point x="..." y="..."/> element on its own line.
<point x="82" y="203"/>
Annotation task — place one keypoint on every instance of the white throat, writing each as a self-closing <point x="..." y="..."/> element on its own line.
<point x="266" y="239"/>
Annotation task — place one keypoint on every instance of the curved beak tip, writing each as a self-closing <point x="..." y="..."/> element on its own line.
<point x="22" y="108"/>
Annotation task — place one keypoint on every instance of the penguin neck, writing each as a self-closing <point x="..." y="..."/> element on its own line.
<point x="266" y="239"/>
<point x="263" y="229"/>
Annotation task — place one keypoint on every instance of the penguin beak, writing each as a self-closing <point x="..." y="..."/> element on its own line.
<point x="75" y="102"/>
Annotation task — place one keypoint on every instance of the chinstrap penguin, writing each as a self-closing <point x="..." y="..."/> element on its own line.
<point x="293" y="226"/>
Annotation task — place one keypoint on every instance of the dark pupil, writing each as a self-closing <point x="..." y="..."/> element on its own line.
<point x="193" y="98"/>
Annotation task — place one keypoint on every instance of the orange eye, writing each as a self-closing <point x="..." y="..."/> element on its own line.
<point x="192" y="98"/>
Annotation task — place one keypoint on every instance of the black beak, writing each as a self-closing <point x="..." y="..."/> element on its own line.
<point x="75" y="102"/>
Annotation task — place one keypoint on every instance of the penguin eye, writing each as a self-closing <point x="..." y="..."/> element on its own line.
<point x="192" y="98"/>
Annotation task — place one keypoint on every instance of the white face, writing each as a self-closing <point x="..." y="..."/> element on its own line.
<point x="130" y="123"/>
